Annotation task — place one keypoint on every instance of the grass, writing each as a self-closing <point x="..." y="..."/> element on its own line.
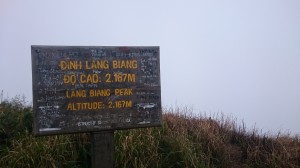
<point x="184" y="140"/>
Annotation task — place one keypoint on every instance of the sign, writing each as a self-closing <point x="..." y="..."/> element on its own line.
<point x="88" y="89"/>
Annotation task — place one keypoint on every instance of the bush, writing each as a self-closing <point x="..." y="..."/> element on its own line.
<point x="15" y="120"/>
<point x="184" y="140"/>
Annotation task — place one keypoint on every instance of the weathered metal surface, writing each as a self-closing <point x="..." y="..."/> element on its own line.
<point x="86" y="89"/>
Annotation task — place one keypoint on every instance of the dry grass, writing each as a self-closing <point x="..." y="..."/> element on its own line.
<point x="184" y="140"/>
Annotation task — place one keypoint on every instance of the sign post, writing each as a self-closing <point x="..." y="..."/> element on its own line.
<point x="102" y="149"/>
<point x="95" y="89"/>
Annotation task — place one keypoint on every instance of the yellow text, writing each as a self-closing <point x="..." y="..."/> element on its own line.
<point x="120" y="104"/>
<point x="99" y="64"/>
<point x="85" y="106"/>
<point x="89" y="78"/>
<point x="123" y="92"/>
<point x="125" y="64"/>
<point x="70" y="65"/>
<point x="99" y="92"/>
<point x="75" y="93"/>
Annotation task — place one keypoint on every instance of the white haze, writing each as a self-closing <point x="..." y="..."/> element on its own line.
<point x="241" y="58"/>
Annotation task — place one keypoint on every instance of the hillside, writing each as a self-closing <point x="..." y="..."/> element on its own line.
<point x="183" y="141"/>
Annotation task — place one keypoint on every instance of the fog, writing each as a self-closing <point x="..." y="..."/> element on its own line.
<point x="241" y="58"/>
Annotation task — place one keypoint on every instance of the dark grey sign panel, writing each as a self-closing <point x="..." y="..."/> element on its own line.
<point x="84" y="89"/>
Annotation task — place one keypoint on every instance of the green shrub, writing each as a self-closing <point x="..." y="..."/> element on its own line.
<point x="15" y="120"/>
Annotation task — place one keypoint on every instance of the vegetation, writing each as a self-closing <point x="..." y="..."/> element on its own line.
<point x="184" y="140"/>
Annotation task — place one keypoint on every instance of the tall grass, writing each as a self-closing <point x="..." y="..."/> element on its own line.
<point x="184" y="140"/>
<point x="27" y="151"/>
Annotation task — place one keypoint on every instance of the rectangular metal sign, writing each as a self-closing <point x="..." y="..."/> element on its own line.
<point x="94" y="88"/>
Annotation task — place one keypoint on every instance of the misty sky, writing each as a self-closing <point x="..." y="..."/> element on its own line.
<point x="241" y="58"/>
